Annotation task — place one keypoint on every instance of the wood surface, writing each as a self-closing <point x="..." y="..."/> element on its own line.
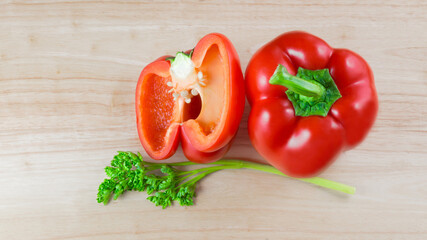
<point x="68" y="71"/>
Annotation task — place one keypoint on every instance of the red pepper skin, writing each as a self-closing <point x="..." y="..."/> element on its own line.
<point x="159" y="131"/>
<point x="192" y="154"/>
<point x="304" y="146"/>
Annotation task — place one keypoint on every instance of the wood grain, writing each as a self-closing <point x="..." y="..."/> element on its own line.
<point x="68" y="71"/>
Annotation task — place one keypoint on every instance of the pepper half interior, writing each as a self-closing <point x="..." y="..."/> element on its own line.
<point x="196" y="100"/>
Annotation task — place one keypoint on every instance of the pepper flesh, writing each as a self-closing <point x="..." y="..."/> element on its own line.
<point x="304" y="146"/>
<point x="199" y="101"/>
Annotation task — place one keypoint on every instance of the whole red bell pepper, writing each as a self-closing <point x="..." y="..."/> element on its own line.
<point x="300" y="124"/>
<point x="196" y="98"/>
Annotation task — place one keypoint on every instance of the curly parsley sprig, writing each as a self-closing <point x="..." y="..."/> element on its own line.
<point x="164" y="183"/>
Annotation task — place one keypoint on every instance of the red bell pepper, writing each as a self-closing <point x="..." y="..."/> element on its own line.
<point x="196" y="98"/>
<point x="301" y="123"/>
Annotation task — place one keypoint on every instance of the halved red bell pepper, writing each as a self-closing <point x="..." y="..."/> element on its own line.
<point x="196" y="98"/>
<point x="300" y="124"/>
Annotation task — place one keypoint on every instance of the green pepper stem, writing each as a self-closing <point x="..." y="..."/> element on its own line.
<point x="305" y="87"/>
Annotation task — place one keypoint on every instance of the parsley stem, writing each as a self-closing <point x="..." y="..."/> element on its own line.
<point x="215" y="168"/>
<point x="235" y="164"/>
<point x="208" y="170"/>
<point x="314" y="180"/>
<point x="195" y="179"/>
<point x="171" y="164"/>
<point x="188" y="174"/>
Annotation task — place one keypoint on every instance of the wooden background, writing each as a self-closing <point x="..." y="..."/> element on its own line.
<point x="68" y="71"/>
